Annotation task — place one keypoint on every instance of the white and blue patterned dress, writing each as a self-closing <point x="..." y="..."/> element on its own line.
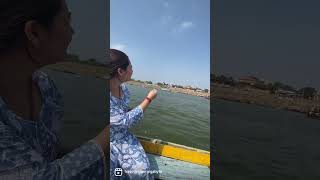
<point x="126" y="151"/>
<point x="28" y="148"/>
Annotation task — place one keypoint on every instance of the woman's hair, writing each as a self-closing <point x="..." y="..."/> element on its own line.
<point x="15" y="13"/>
<point x="118" y="59"/>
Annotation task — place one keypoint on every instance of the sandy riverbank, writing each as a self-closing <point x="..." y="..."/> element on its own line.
<point x="175" y="90"/>
<point x="263" y="98"/>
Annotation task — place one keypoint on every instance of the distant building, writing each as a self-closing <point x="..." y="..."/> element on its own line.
<point x="249" y="80"/>
<point x="165" y="84"/>
<point x="177" y="86"/>
<point x="189" y="87"/>
<point x="285" y="93"/>
<point x="317" y="96"/>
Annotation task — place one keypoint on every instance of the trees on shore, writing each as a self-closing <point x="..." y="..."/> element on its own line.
<point x="272" y="87"/>
<point x="308" y="92"/>
<point x="90" y="61"/>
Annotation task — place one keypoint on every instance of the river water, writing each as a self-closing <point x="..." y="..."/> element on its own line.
<point x="252" y="140"/>
<point x="174" y="117"/>
<point x="84" y="105"/>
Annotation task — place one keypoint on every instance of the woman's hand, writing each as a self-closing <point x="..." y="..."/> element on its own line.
<point x="152" y="94"/>
<point x="145" y="103"/>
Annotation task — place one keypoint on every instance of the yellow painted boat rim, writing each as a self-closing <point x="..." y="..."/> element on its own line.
<point x="161" y="142"/>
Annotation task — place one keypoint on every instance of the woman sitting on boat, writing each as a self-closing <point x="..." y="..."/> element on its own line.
<point x="126" y="151"/>
<point x="35" y="33"/>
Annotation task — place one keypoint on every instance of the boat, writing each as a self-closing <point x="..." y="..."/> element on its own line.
<point x="175" y="161"/>
<point x="314" y="113"/>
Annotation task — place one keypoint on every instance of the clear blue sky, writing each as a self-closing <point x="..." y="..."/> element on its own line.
<point x="166" y="40"/>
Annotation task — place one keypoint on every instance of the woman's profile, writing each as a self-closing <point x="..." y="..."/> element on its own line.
<point x="35" y="33"/>
<point x="126" y="151"/>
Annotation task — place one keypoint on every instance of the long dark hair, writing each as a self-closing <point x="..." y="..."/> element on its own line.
<point x="15" y="13"/>
<point x="118" y="59"/>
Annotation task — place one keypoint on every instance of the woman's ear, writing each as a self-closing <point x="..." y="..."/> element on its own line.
<point x="120" y="71"/>
<point x="33" y="32"/>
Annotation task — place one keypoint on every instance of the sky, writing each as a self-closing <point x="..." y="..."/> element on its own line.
<point x="166" y="40"/>
<point x="90" y="23"/>
<point x="271" y="39"/>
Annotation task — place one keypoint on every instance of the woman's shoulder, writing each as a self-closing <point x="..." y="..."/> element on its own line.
<point x="47" y="86"/>
<point x="124" y="88"/>
<point x="42" y="79"/>
<point x="126" y="93"/>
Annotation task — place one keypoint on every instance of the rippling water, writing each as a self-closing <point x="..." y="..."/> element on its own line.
<point x="174" y="117"/>
<point x="257" y="141"/>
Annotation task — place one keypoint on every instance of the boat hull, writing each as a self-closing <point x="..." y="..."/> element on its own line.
<point x="174" y="161"/>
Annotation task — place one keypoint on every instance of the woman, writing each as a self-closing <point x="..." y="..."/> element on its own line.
<point x="125" y="150"/>
<point x="35" y="33"/>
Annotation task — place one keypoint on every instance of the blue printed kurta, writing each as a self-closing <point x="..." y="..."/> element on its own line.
<point x="28" y="148"/>
<point x="126" y="151"/>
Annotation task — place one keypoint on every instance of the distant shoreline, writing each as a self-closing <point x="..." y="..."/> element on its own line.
<point x="80" y="69"/>
<point x="102" y="72"/>
<point x="263" y="98"/>
<point x="241" y="95"/>
<point x="171" y="89"/>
